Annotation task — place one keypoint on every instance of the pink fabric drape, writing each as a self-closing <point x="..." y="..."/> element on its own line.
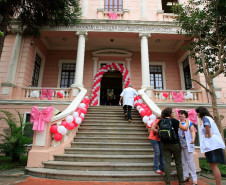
<point x="38" y="118"/>
<point x="192" y="115"/>
<point x="46" y="93"/>
<point x="178" y="97"/>
<point x="113" y="16"/>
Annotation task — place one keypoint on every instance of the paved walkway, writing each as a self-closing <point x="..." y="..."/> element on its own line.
<point x="17" y="177"/>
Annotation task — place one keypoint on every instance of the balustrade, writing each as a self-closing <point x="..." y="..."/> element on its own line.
<point x="195" y="98"/>
<point x="27" y="93"/>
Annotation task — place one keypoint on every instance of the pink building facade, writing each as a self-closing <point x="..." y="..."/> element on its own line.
<point x="142" y="37"/>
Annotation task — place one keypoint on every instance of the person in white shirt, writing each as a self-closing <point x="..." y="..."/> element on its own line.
<point x="128" y="95"/>
<point x="211" y="142"/>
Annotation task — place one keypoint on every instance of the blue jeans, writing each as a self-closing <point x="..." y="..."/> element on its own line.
<point x="158" y="155"/>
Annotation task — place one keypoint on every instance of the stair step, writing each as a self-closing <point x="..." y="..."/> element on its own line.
<point x="110" y="145"/>
<point x="109" y="151"/>
<point x="112" y="134"/>
<point x="104" y="124"/>
<point x="117" y="130"/>
<point x="113" y="139"/>
<point x="112" y="176"/>
<point x="104" y="158"/>
<point x="100" y="166"/>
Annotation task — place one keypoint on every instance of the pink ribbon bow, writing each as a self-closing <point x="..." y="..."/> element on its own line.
<point x="178" y="97"/>
<point x="113" y="16"/>
<point x="46" y="93"/>
<point x="38" y="118"/>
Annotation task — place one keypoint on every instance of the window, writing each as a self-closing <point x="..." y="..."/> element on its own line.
<point x="156" y="76"/>
<point x="67" y="75"/>
<point x="36" y="71"/>
<point x="113" y="5"/>
<point x="27" y="130"/>
<point x="167" y="4"/>
<point x="187" y="74"/>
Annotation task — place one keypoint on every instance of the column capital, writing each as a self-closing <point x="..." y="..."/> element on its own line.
<point x="144" y="35"/>
<point x="95" y="58"/>
<point x="128" y="59"/>
<point x="85" y="33"/>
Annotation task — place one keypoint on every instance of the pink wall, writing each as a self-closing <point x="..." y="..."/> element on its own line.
<point x="172" y="69"/>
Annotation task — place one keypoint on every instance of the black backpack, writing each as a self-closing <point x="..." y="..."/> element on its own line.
<point x="166" y="131"/>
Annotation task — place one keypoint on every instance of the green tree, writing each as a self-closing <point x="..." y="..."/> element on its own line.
<point x="32" y="15"/>
<point x="205" y="21"/>
<point x="13" y="140"/>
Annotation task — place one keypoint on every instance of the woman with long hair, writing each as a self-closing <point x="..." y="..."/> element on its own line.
<point x="211" y="142"/>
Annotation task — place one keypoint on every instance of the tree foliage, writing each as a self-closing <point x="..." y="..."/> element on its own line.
<point x="205" y="21"/>
<point x="13" y="140"/>
<point x="32" y="15"/>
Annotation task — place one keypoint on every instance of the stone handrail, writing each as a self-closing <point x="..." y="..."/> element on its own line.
<point x="169" y="16"/>
<point x="44" y="146"/>
<point x="155" y="109"/>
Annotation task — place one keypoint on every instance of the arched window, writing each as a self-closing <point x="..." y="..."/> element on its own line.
<point x="113" y="5"/>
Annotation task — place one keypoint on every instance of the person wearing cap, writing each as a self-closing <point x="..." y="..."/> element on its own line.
<point x="128" y="101"/>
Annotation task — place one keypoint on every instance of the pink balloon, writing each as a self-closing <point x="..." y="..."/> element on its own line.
<point x="71" y="126"/>
<point x="84" y="111"/>
<point x="65" y="124"/>
<point x="137" y="104"/>
<point x="143" y="113"/>
<point x="149" y="112"/>
<point x="58" y="136"/>
<point x="53" y="129"/>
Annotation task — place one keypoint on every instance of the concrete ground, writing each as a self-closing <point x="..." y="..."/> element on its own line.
<point x="17" y="177"/>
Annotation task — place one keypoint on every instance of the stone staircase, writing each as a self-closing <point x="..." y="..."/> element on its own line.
<point x="106" y="148"/>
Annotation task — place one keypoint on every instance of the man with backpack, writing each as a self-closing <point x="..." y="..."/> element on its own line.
<point x="168" y="134"/>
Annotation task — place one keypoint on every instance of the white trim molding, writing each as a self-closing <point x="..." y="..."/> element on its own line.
<point x="112" y="52"/>
<point x="43" y="59"/>
<point x="163" y="64"/>
<point x="180" y="63"/>
<point x="60" y="63"/>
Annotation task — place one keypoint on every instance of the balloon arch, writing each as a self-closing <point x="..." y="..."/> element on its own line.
<point x="99" y="75"/>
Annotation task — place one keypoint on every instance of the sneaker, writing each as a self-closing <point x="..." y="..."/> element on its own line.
<point x="159" y="172"/>
<point x="130" y="120"/>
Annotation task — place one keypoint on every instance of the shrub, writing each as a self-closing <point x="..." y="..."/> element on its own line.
<point x="13" y="140"/>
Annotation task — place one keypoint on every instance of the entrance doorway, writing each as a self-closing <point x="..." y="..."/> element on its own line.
<point x="111" y="88"/>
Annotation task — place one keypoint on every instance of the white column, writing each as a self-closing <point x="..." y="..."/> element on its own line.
<point x="14" y="59"/>
<point x="145" y="60"/>
<point x="128" y="60"/>
<point x="84" y="8"/>
<point x="143" y="8"/>
<point x="95" y="59"/>
<point x="80" y="60"/>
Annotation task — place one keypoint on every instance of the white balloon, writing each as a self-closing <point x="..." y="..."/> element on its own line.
<point x="140" y="101"/>
<point x="82" y="105"/>
<point x="83" y="115"/>
<point x="62" y="130"/>
<point x="149" y="123"/>
<point x="62" y="92"/>
<point x="152" y="117"/>
<point x="75" y="114"/>
<point x="78" y="120"/>
<point x="135" y="102"/>
<point x="36" y="94"/>
<point x="69" y="119"/>
<point x="145" y="119"/>
<point x="163" y="98"/>
<point x="140" y="109"/>
<point x="32" y="95"/>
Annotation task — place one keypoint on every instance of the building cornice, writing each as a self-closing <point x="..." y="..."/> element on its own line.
<point x="122" y="26"/>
